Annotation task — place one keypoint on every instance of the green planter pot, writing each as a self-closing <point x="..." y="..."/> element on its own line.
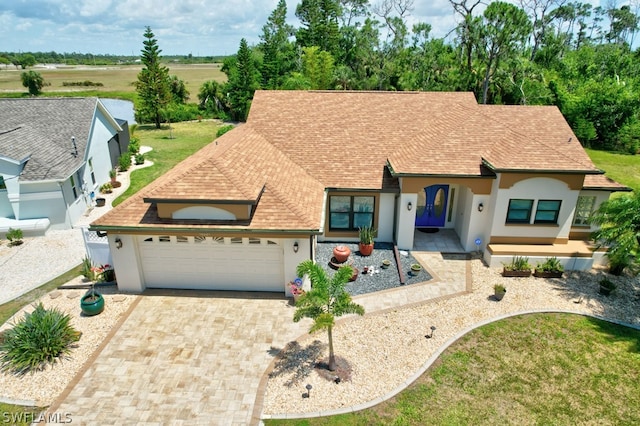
<point x="92" y="303"/>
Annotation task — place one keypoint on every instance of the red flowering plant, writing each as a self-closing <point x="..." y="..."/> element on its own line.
<point x="103" y="273"/>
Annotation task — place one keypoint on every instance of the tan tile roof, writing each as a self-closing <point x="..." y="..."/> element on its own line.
<point x="603" y="182"/>
<point x="296" y="144"/>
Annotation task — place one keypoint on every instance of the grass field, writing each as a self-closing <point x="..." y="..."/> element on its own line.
<point x="115" y="79"/>
<point x="622" y="168"/>
<point x="558" y="369"/>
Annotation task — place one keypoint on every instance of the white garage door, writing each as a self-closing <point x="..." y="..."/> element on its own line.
<point x="212" y="263"/>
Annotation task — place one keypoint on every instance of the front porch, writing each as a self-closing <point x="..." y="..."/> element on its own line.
<point x="437" y="239"/>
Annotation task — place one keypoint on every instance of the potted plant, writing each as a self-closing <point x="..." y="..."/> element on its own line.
<point x="499" y="291"/>
<point x="415" y="269"/>
<point x="366" y="233"/>
<point x="386" y="263"/>
<point x="112" y="175"/>
<point x="550" y="268"/>
<point x="519" y="267"/>
<point x="606" y="287"/>
<point x="92" y="303"/>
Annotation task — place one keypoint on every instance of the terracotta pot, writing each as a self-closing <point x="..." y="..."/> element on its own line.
<point x="341" y="253"/>
<point x="366" y="249"/>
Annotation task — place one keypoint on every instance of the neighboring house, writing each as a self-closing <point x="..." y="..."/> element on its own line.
<point x="54" y="155"/>
<point x="244" y="211"/>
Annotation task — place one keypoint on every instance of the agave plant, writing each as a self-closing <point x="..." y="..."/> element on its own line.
<point x="38" y="339"/>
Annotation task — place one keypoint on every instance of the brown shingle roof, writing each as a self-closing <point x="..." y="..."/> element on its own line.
<point x="296" y="144"/>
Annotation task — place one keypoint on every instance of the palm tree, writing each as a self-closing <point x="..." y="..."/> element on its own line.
<point x="326" y="300"/>
<point x="619" y="222"/>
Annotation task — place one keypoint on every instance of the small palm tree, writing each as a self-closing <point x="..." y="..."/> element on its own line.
<point x="326" y="300"/>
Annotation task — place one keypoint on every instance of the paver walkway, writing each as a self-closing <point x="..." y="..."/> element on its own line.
<point x="184" y="357"/>
<point x="188" y="357"/>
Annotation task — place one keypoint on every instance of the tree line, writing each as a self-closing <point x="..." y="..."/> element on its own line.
<point x="539" y="52"/>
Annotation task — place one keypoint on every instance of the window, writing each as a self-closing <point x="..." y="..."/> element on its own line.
<point x="350" y="212"/>
<point x="2" y="184"/>
<point x="74" y="187"/>
<point x="93" y="175"/>
<point x="584" y="208"/>
<point x="519" y="211"/>
<point x="547" y="211"/>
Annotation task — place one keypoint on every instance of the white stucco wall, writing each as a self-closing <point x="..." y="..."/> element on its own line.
<point x="126" y="263"/>
<point x="291" y="259"/>
<point x="406" y="220"/>
<point x="539" y="188"/>
<point x="101" y="132"/>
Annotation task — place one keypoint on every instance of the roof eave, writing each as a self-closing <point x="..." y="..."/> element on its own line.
<point x="137" y="229"/>
<point x="197" y="201"/>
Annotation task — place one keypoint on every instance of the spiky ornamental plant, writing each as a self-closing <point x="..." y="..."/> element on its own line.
<point x="326" y="300"/>
<point x="38" y="339"/>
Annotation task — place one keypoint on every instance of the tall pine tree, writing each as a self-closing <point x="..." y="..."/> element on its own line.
<point x="153" y="82"/>
<point x="243" y="82"/>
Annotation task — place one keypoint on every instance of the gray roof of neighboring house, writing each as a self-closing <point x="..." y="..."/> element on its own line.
<point x="42" y="129"/>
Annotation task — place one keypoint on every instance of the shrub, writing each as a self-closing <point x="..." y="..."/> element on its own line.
<point x="124" y="162"/>
<point x="224" y="129"/>
<point x="106" y="188"/>
<point x="499" y="288"/>
<point x="518" y="263"/>
<point x="134" y="146"/>
<point x="551" y="264"/>
<point x="87" y="268"/>
<point x="40" y="338"/>
<point x="14" y="236"/>
<point x="139" y="159"/>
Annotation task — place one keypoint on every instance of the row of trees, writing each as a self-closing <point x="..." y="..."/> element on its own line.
<point x="546" y="52"/>
<point x="23" y="60"/>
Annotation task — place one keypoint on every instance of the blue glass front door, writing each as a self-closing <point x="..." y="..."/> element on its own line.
<point x="432" y="206"/>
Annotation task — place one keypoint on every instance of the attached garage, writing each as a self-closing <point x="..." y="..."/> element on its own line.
<point x="212" y="263"/>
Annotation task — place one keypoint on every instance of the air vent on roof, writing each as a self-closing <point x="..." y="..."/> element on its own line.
<point x="75" y="147"/>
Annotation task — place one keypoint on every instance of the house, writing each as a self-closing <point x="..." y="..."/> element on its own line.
<point x="309" y="166"/>
<point x="54" y="155"/>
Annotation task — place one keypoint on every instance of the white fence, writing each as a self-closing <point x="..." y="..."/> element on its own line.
<point x="97" y="247"/>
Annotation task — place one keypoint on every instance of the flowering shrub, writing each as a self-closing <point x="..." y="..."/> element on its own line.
<point x="103" y="273"/>
<point x="296" y="287"/>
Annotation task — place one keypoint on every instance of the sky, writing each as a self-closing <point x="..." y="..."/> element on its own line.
<point x="182" y="27"/>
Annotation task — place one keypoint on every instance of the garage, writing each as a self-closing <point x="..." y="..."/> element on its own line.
<point x="212" y="263"/>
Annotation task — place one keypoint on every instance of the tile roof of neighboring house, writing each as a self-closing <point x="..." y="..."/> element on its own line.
<point x="41" y="129"/>
<point x="297" y="144"/>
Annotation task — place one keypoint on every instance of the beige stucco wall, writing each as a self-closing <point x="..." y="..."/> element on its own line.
<point x="240" y="211"/>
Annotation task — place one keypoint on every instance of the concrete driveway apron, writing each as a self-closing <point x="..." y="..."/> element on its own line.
<point x="184" y="357"/>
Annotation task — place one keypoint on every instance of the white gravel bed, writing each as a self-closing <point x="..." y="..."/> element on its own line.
<point x="43" y="387"/>
<point x="38" y="260"/>
<point x="388" y="348"/>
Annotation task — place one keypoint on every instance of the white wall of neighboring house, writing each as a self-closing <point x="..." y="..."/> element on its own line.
<point x="44" y="199"/>
<point x="98" y="152"/>
<point x="539" y="188"/>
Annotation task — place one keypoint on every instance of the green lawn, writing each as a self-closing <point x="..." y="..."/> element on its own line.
<point x="532" y="369"/>
<point x="622" y="168"/>
<point x="170" y="146"/>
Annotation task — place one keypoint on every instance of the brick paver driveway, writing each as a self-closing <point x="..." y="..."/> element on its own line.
<point x="184" y="358"/>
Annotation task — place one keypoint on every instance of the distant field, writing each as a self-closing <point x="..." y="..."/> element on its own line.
<point x="113" y="78"/>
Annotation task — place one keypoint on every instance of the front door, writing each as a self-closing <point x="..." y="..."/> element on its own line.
<point x="432" y="206"/>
